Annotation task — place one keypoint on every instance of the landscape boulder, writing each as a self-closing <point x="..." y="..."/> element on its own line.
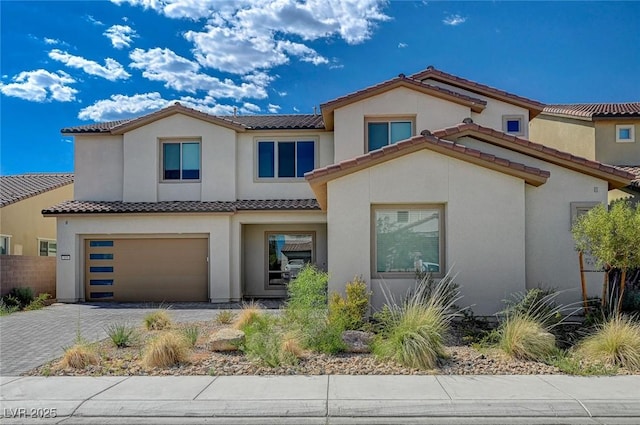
<point x="226" y="339"/>
<point x="357" y="341"/>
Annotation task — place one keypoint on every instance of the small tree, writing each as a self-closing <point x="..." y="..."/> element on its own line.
<point x="612" y="237"/>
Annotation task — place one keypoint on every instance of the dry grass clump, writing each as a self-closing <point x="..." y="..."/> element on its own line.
<point x="167" y="349"/>
<point x="248" y="315"/>
<point x="291" y="346"/>
<point x="225" y="317"/>
<point x="615" y="342"/>
<point x="525" y="338"/>
<point x="79" y="356"/>
<point x="157" y="320"/>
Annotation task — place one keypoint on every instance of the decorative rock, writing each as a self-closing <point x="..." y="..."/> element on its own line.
<point x="357" y="341"/>
<point x="226" y="339"/>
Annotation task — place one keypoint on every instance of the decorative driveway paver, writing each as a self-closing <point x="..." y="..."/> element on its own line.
<point x="31" y="338"/>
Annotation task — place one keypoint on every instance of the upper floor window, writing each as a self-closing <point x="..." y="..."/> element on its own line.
<point x="5" y="244"/>
<point x="625" y="133"/>
<point x="48" y="247"/>
<point x="285" y="158"/>
<point x="180" y="160"/>
<point x="383" y="132"/>
<point x="513" y="124"/>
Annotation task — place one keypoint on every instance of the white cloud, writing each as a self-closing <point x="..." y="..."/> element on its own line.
<point x="247" y="35"/>
<point x="402" y="45"/>
<point x="51" y="41"/>
<point x="454" y="20"/>
<point x="121" y="36"/>
<point x="119" y="106"/>
<point x="112" y="70"/>
<point x="182" y="74"/>
<point x="250" y="108"/>
<point x="93" y="20"/>
<point x="41" y="86"/>
<point x="273" y="109"/>
<point x="122" y="107"/>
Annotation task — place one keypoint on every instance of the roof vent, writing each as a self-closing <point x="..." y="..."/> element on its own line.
<point x="467" y="121"/>
<point x="425" y="133"/>
<point x="401" y="75"/>
<point x="235" y="111"/>
<point x="431" y="68"/>
<point x="177" y="103"/>
<point x="314" y="110"/>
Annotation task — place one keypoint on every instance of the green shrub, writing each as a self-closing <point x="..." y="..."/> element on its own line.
<point x="266" y="344"/>
<point x="157" y="320"/>
<point x="569" y="363"/>
<point x="121" y="334"/>
<point x="351" y="311"/>
<point x="615" y="342"/>
<point x="412" y="332"/>
<point x="38" y="303"/>
<point x="306" y="312"/>
<point x="191" y="334"/>
<point x="225" y="317"/>
<point x="537" y="303"/>
<point x="165" y="350"/>
<point x="6" y="309"/>
<point x="20" y="297"/>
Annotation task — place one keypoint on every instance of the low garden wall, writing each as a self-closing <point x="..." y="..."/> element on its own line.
<point x="38" y="273"/>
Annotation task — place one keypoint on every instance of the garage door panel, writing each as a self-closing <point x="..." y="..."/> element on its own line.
<point x="157" y="270"/>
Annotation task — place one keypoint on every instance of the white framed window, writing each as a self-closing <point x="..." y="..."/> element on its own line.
<point x="287" y="253"/>
<point x="580" y="208"/>
<point x="180" y="160"/>
<point x="47" y="247"/>
<point x="288" y="158"/>
<point x="380" y="132"/>
<point x="406" y="239"/>
<point x="513" y="124"/>
<point x="5" y="244"/>
<point x="625" y="133"/>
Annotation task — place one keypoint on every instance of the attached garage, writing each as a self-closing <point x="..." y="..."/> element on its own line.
<point x="146" y="269"/>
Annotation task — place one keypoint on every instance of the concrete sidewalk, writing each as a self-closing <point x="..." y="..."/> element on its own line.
<point x="341" y="399"/>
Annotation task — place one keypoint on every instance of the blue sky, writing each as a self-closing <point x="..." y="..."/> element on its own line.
<point x="75" y="62"/>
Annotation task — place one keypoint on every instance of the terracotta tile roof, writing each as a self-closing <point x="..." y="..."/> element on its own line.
<point x="595" y="110"/>
<point x="633" y="169"/>
<point x="239" y="122"/>
<point x="117" y="207"/>
<point x="608" y="172"/>
<point x="279" y="122"/>
<point x="533" y="106"/>
<point x="477" y="105"/>
<point x="21" y="186"/>
<point x="318" y="178"/>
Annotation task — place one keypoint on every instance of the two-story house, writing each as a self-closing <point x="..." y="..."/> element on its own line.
<point x="428" y="172"/>
<point x="606" y="132"/>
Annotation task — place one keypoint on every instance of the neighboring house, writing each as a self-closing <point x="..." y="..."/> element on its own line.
<point x="428" y="171"/>
<point x="606" y="132"/>
<point x="23" y="229"/>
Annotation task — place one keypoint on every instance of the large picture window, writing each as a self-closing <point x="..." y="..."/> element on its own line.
<point x="180" y="160"/>
<point x="408" y="239"/>
<point x="381" y="133"/>
<point x="287" y="254"/>
<point x="285" y="159"/>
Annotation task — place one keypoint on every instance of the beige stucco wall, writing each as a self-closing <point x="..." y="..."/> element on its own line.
<point x="98" y="168"/>
<point x="142" y="174"/>
<point x="611" y="152"/>
<point x="430" y="113"/>
<point x="224" y="232"/>
<point x="484" y="224"/>
<point x="565" y="134"/>
<point x="550" y="250"/>
<point x="492" y="115"/>
<point x="254" y="254"/>
<point x="249" y="187"/>
<point x="23" y="220"/>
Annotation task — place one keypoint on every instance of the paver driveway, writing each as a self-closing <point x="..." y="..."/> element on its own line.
<point x="31" y="338"/>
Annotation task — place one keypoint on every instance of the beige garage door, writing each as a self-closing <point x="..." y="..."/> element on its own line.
<point x="146" y="270"/>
